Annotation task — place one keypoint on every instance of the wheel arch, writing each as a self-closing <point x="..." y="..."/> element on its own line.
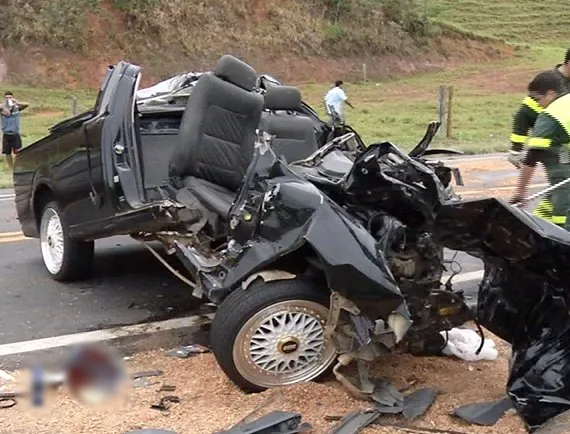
<point x="293" y="265"/>
<point x="43" y="195"/>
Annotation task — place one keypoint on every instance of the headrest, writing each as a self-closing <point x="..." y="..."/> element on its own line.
<point x="282" y="98"/>
<point x="236" y="72"/>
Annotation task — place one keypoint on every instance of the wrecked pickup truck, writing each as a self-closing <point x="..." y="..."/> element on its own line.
<point x="268" y="224"/>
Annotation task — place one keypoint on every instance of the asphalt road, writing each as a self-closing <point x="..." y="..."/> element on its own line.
<point x="128" y="286"/>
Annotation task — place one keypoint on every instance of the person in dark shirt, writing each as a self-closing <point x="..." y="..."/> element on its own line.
<point x="549" y="144"/>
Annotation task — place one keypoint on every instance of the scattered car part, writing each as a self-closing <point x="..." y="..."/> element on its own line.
<point x="163" y="404"/>
<point x="276" y="422"/>
<point x="186" y="351"/>
<point x="354" y="422"/>
<point x="386" y="395"/>
<point x="7" y="402"/>
<point x="166" y="388"/>
<point x="263" y="404"/>
<point x="145" y="374"/>
<point x="418" y="402"/>
<point x="485" y="413"/>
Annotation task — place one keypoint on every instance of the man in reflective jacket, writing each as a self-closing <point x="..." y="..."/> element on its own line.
<point x="549" y="144"/>
<point x="526" y="114"/>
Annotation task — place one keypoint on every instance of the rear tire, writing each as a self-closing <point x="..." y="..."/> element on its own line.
<point x="64" y="258"/>
<point x="272" y="335"/>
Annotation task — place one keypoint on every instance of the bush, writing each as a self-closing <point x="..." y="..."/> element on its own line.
<point x="56" y="23"/>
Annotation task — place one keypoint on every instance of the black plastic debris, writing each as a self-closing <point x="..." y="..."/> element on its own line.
<point x="385" y="394"/>
<point x="417" y="403"/>
<point x="276" y="422"/>
<point x="484" y="413"/>
<point x="354" y="422"/>
<point x="186" y="351"/>
<point x="411" y="406"/>
<point x="167" y="388"/>
<point x="164" y="403"/>
<point x="144" y="374"/>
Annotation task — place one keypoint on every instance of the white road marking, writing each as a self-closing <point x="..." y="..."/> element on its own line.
<point x="102" y="335"/>
<point x="140" y="329"/>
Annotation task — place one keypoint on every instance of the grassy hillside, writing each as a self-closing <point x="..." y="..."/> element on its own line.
<point x="542" y="23"/>
<point x="50" y="40"/>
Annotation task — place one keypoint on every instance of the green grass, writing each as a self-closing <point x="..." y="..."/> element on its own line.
<point x="518" y="21"/>
<point x="485" y="98"/>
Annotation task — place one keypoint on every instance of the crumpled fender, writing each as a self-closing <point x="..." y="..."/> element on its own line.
<point x="297" y="214"/>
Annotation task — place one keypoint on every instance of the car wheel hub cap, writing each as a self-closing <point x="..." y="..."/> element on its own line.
<point x="51" y="235"/>
<point x="284" y="345"/>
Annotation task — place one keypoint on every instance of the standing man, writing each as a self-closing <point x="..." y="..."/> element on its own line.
<point x="549" y="144"/>
<point x="333" y="102"/>
<point x="10" y="114"/>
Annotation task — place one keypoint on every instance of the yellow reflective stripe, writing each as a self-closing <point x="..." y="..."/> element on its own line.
<point x="559" y="109"/>
<point x="529" y="102"/>
<point x="544" y="209"/>
<point x="558" y="219"/>
<point x="517" y="138"/>
<point x="539" y="142"/>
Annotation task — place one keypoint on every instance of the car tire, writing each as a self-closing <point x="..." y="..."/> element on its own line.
<point x="272" y="335"/>
<point x="64" y="258"/>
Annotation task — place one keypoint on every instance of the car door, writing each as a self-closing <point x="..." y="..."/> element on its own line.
<point x="120" y="151"/>
<point x="78" y="170"/>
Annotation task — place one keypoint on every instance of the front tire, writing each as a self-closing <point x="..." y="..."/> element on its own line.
<point x="64" y="258"/>
<point x="272" y="335"/>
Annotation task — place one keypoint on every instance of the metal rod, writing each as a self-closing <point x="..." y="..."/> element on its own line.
<point x="545" y="191"/>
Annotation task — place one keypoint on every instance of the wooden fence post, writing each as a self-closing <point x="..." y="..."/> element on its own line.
<point x="449" y="111"/>
<point x="442" y="102"/>
<point x="364" y="72"/>
<point x="74" y="105"/>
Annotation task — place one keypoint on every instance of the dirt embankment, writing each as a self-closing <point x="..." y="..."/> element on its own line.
<point x="295" y="40"/>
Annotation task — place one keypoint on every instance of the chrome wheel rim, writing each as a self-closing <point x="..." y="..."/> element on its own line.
<point x="284" y="344"/>
<point x="51" y="239"/>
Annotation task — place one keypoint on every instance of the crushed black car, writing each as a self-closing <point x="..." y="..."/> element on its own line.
<point x="318" y="250"/>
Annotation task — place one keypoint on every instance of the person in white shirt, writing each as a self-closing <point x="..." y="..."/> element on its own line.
<point x="333" y="102"/>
